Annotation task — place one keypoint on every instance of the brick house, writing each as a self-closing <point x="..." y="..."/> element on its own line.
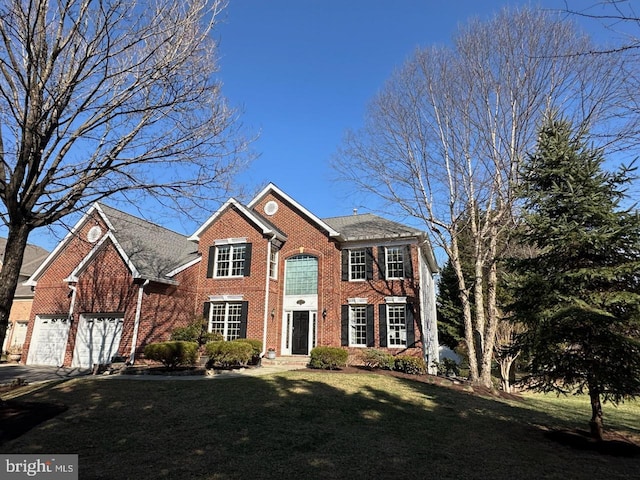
<point x="23" y="298"/>
<point x="269" y="270"/>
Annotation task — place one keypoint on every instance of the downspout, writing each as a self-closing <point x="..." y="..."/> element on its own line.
<point x="74" y="291"/>
<point x="136" y="323"/>
<point x="266" y="299"/>
<point x="73" y="300"/>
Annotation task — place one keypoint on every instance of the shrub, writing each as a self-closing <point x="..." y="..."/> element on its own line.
<point x="196" y="331"/>
<point x="447" y="367"/>
<point x="228" y="354"/>
<point x="409" y="364"/>
<point x="172" y="354"/>
<point x="328" y="358"/>
<point x="257" y="348"/>
<point x="373" y="358"/>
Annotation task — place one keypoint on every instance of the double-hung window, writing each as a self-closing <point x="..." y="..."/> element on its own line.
<point x="225" y="319"/>
<point x="358" y="325"/>
<point x="397" y="325"/>
<point x="395" y="262"/>
<point x="357" y="264"/>
<point x="228" y="259"/>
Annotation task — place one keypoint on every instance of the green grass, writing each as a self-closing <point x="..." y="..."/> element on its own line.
<point x="307" y="425"/>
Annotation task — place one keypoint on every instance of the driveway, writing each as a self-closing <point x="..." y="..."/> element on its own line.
<point x="30" y="373"/>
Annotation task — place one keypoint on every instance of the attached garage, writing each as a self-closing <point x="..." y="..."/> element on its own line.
<point x="49" y="341"/>
<point x="97" y="340"/>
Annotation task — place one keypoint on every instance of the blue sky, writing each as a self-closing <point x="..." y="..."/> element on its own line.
<point x="303" y="71"/>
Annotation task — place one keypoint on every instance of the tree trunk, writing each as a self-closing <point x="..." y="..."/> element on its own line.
<point x="505" y="370"/>
<point x="10" y="272"/>
<point x="596" y="425"/>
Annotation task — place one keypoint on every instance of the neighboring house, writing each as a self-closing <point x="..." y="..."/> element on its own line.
<point x="23" y="298"/>
<point x="269" y="270"/>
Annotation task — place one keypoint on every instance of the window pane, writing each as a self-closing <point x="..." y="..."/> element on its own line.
<point x="395" y="262"/>
<point x="357" y="265"/>
<point x="302" y="275"/>
<point x="223" y="255"/>
<point x="217" y="318"/>
<point x="239" y="252"/>
<point x="358" y="320"/>
<point x="396" y="326"/>
<point x="225" y="319"/>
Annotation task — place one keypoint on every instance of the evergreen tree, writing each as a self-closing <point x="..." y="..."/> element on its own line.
<point x="579" y="294"/>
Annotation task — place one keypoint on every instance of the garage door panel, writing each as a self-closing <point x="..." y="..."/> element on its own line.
<point x="97" y="340"/>
<point x="48" y="341"/>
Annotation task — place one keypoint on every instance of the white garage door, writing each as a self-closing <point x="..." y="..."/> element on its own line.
<point x="97" y="340"/>
<point x="48" y="341"/>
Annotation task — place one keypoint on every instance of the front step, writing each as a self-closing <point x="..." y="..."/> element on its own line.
<point x="287" y="361"/>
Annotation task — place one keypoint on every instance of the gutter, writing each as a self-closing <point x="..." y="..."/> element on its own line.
<point x="136" y="324"/>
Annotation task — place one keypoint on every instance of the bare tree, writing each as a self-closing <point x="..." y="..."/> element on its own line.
<point x="444" y="139"/>
<point x="106" y="97"/>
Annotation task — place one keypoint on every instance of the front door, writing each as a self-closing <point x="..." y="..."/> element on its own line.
<point x="300" y="334"/>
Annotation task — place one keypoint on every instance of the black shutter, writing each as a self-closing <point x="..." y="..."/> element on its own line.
<point x="345" y="265"/>
<point x="382" y="263"/>
<point x="411" y="337"/>
<point x="247" y="259"/>
<point x="212" y="259"/>
<point x="244" y="314"/>
<point x="369" y="262"/>
<point x="205" y="311"/>
<point x="371" y="341"/>
<point x="406" y="257"/>
<point x="344" y="330"/>
<point x="382" y="310"/>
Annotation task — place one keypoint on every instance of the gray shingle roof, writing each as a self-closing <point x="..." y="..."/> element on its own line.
<point x="33" y="257"/>
<point x="153" y="250"/>
<point x="368" y="227"/>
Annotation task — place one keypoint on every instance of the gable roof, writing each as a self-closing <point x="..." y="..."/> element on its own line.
<point x="149" y="250"/>
<point x="271" y="188"/>
<point x="265" y="226"/>
<point x="155" y="251"/>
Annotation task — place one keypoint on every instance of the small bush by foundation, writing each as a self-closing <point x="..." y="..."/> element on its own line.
<point x="229" y="354"/>
<point x="373" y="358"/>
<point x="172" y="354"/>
<point x="328" y="358"/>
<point x="409" y="364"/>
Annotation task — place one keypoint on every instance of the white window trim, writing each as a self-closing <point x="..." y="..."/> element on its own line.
<point x="226" y="298"/>
<point x="231" y="249"/>
<point x="230" y="241"/>
<point x="357" y="301"/>
<point x="351" y="279"/>
<point x="386" y="262"/>
<point x="277" y="260"/>
<point x="352" y="325"/>
<point x="227" y="304"/>
<point x="396" y="304"/>
<point x="396" y="300"/>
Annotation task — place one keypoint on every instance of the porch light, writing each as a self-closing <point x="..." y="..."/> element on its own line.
<point x="324" y="313"/>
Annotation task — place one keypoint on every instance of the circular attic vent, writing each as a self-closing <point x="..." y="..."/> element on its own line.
<point x="94" y="234"/>
<point x="270" y="207"/>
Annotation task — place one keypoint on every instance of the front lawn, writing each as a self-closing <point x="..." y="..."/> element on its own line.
<point x="306" y="425"/>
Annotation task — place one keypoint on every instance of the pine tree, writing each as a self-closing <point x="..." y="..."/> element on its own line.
<point x="579" y="295"/>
